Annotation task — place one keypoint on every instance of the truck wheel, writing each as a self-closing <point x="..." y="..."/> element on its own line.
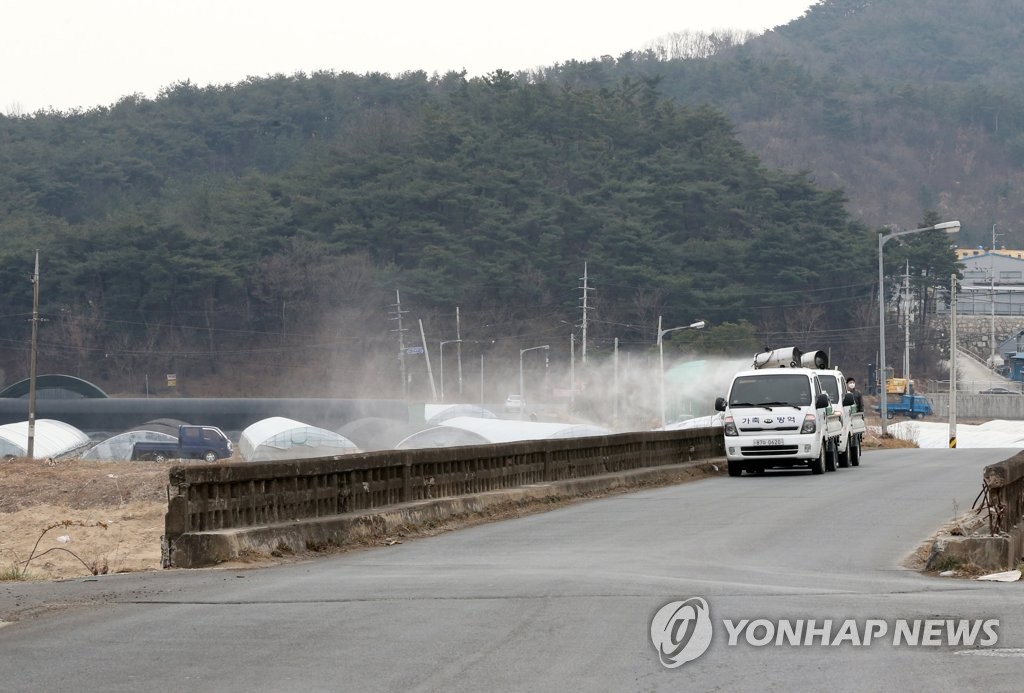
<point x="844" y="457"/>
<point x="818" y="465"/>
<point x="830" y="457"/>
<point x="735" y="468"/>
<point x="890" y="414"/>
<point x="160" y="457"/>
<point x="210" y="456"/>
<point x="855" y="452"/>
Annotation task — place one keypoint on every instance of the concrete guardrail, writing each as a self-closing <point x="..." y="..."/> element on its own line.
<point x="1000" y="545"/>
<point x="1003" y="497"/>
<point x="215" y="509"/>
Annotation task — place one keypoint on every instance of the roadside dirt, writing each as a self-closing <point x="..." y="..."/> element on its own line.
<point x="108" y="514"/>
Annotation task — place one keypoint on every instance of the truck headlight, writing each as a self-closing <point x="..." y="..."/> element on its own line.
<point x="730" y="426"/>
<point x="810" y="424"/>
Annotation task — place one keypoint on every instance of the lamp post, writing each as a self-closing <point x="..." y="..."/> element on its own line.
<point x="699" y="325"/>
<point x="952" y="360"/>
<point x="441" y="370"/>
<point x="992" y="303"/>
<point x="522" y="394"/>
<point x="948" y="227"/>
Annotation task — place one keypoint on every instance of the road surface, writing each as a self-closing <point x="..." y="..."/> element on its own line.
<point x="556" y="601"/>
<point x="972" y="375"/>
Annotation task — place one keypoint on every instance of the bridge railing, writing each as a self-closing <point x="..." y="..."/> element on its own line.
<point x="203" y="498"/>
<point x="1003" y="495"/>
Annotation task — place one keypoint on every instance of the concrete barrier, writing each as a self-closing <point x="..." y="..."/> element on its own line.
<point x="216" y="511"/>
<point x="1001" y="504"/>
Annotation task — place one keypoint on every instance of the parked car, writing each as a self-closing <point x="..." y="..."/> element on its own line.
<point x="514" y="404"/>
<point x="997" y="391"/>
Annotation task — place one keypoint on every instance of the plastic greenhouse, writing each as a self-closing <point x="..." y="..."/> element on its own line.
<point x="278" y="438"/>
<point x="376" y="432"/>
<point x="51" y="439"/>
<point x="437" y="413"/>
<point x="120" y="447"/>
<point x="467" y="430"/>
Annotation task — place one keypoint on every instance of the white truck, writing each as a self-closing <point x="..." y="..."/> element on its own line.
<point x="845" y="424"/>
<point x="776" y="415"/>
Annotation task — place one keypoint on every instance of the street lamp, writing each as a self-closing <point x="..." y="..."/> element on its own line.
<point x="948" y="227"/>
<point x="522" y="394"/>
<point x="448" y="341"/>
<point x="699" y="325"/>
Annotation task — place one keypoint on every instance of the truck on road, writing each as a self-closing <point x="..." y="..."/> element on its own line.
<point x="914" y="406"/>
<point x="775" y="415"/>
<point x="845" y="424"/>
<point x="206" y="443"/>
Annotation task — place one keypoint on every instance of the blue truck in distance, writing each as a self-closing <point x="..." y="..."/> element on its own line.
<point x="206" y="443"/>
<point x="914" y="406"/>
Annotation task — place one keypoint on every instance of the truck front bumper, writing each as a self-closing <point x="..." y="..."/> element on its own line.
<point x="795" y="448"/>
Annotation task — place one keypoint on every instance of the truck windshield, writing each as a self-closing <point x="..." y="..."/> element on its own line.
<point x="830" y="385"/>
<point x="775" y="389"/>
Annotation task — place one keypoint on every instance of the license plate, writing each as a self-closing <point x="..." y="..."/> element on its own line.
<point x="768" y="441"/>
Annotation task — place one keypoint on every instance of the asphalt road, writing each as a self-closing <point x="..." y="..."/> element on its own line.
<point x="557" y="601"/>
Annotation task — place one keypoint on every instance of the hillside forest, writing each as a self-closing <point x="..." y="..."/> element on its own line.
<point x="265" y="237"/>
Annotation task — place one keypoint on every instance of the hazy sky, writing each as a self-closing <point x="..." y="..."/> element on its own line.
<point x="82" y="53"/>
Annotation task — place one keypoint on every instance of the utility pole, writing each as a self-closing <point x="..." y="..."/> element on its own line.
<point x="615" y="386"/>
<point x="30" y="450"/>
<point x="572" y="371"/>
<point x="586" y="288"/>
<point x="906" y="324"/>
<point x="992" y="288"/>
<point x="397" y="315"/>
<point x="952" y="360"/>
<point x="426" y="357"/>
<point x="458" y="347"/>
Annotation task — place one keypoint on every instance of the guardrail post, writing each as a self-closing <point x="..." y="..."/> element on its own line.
<point x="406" y="481"/>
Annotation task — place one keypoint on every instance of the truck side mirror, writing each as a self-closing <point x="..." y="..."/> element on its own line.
<point x="821" y="401"/>
<point x="849" y="400"/>
<point x="720" y="404"/>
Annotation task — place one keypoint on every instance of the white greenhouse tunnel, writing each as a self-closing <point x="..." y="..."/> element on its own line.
<point x="467" y="430"/>
<point x="278" y="438"/>
<point x="51" y="439"/>
<point x="933" y="434"/>
<point x="120" y="447"/>
<point x="437" y="413"/>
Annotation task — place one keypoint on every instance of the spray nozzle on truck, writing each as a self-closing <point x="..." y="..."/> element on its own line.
<point x="790" y="357"/>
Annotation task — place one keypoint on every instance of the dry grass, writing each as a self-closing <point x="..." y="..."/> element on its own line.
<point x="129" y="499"/>
<point x="887" y="442"/>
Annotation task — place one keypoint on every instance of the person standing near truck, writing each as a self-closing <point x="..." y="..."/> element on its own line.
<point x="851" y="387"/>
